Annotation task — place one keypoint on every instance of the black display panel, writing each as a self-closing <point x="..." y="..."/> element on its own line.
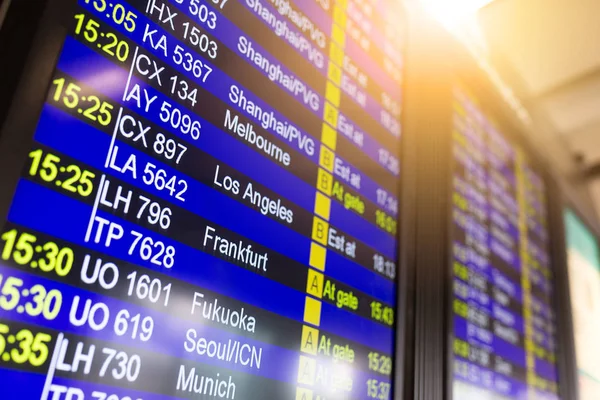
<point x="503" y="320"/>
<point x="208" y="208"/>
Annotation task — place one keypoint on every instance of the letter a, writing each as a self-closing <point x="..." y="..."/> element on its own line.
<point x="310" y="337"/>
<point x="304" y="394"/>
<point x="134" y="94"/>
<point x="306" y="371"/>
<point x="314" y="283"/>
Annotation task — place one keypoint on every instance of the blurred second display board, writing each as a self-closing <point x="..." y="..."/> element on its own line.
<point x="503" y="320"/>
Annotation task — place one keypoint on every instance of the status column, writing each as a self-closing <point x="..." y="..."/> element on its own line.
<point x="525" y="278"/>
<point x="320" y="230"/>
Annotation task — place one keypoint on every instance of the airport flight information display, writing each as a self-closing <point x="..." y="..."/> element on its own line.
<point x="209" y="206"/>
<point x="504" y="326"/>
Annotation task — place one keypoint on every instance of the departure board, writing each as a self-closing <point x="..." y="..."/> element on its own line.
<point x="503" y="321"/>
<point x="209" y="206"/>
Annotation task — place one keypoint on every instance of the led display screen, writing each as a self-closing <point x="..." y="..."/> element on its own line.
<point x="503" y="321"/>
<point x="208" y="208"/>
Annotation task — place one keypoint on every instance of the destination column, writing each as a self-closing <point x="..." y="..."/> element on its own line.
<point x="322" y="208"/>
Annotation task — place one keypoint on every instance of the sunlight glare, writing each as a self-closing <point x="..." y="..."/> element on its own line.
<point x="453" y="12"/>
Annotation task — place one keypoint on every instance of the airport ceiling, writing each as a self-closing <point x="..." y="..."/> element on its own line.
<point x="550" y="49"/>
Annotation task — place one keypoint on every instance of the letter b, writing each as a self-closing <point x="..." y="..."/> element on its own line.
<point x="320" y="231"/>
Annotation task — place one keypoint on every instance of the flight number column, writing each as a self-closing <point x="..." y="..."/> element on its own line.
<point x="322" y="208"/>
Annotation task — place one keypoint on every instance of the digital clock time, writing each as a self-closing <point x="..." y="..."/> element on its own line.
<point x="23" y="346"/>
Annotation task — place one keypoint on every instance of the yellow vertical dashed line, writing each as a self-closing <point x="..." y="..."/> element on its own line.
<point x="531" y="376"/>
<point x="322" y="208"/>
